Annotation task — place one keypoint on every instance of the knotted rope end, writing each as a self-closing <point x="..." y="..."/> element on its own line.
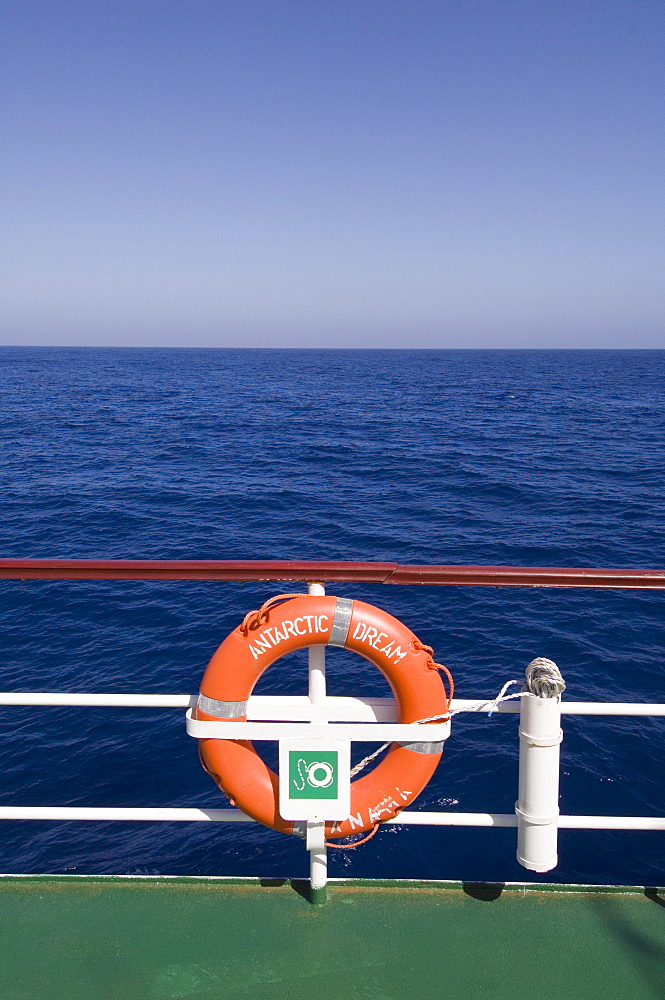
<point x="543" y="678"/>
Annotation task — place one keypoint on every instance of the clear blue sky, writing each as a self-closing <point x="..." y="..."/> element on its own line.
<point x="458" y="173"/>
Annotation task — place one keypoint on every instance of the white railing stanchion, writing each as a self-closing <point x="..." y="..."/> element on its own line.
<point x="318" y="855"/>
<point x="537" y="806"/>
<point x="318" y="861"/>
<point x="317" y="666"/>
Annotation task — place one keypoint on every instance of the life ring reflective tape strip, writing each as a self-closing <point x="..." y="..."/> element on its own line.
<point x="339" y="630"/>
<point x="314" y="621"/>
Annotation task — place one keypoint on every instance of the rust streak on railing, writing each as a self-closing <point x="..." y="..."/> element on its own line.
<point x="330" y="572"/>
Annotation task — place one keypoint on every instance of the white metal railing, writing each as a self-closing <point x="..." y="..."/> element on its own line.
<point x="299" y="707"/>
<point x="536" y="813"/>
<point x="265" y="708"/>
<point x="407" y="818"/>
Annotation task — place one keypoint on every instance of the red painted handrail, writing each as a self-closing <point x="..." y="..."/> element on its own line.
<point x="330" y="572"/>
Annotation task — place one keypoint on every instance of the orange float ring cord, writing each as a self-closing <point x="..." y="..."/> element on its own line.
<point x="303" y="621"/>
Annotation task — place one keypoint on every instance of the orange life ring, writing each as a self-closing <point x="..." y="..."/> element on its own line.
<point x="313" y="621"/>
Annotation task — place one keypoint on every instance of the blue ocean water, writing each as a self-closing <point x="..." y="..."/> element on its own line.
<point x="487" y="457"/>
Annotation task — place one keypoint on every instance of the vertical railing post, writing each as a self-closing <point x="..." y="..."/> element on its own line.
<point x="318" y="855"/>
<point x="537" y="805"/>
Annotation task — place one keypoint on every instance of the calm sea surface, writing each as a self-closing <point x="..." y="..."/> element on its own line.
<point x="496" y="457"/>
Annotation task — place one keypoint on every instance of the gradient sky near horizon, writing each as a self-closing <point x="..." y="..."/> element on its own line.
<point x="486" y="173"/>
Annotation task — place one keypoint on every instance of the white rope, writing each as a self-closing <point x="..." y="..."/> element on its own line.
<point x="491" y="705"/>
<point x="365" y="761"/>
<point x="543" y="678"/>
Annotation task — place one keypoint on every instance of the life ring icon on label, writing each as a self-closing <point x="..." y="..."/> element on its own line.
<point x="313" y="774"/>
<point x="319" y="774"/>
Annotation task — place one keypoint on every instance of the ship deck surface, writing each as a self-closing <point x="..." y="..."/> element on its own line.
<point x="201" y="939"/>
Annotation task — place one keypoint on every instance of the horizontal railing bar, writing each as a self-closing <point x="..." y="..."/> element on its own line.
<point x="534" y="576"/>
<point x="334" y="709"/>
<point x="413" y="818"/>
<point x="229" y="569"/>
<point x="224" y="729"/>
<point x="611" y="823"/>
<point x="330" y="572"/>
<point x="298" y="707"/>
<point x="610" y="708"/>
<point x="567" y="707"/>
<point x="272" y="707"/>
<point x="123" y="815"/>
<point x="406" y="818"/>
<point x="97" y="699"/>
<point x="510" y="819"/>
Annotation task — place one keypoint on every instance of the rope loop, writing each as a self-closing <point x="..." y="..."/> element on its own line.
<point x="417" y="644"/>
<point x="356" y="843"/>
<point x="254" y="619"/>
<point x="451" y="682"/>
<point x="433" y="665"/>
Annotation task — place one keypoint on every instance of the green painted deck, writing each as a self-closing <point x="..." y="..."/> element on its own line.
<point x="204" y="939"/>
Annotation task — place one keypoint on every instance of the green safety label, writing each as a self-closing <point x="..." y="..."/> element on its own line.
<point x="313" y="774"/>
